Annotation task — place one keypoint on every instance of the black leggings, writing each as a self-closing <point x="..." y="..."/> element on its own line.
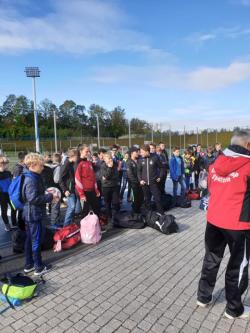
<point x="111" y="199"/>
<point x="4" y="202"/>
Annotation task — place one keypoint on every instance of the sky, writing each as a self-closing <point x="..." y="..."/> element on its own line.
<point x="174" y="62"/>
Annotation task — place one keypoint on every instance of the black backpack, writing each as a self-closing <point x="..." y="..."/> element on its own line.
<point x="163" y="223"/>
<point x="167" y="201"/>
<point x="183" y="202"/>
<point x="129" y="220"/>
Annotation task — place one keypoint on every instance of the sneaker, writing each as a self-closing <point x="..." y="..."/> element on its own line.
<point x="245" y="314"/>
<point x="204" y="305"/>
<point x="7" y="227"/>
<point x="29" y="269"/>
<point x="43" y="270"/>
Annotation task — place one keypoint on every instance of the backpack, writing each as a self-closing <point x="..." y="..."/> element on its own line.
<point x="130" y="221"/>
<point x="67" y="237"/>
<point x="166" y="201"/>
<point x="15" y="192"/>
<point x="202" y="182"/>
<point x="56" y="173"/>
<point x="163" y="223"/>
<point x="90" y="229"/>
<point x="183" y="202"/>
<point x="18" y="287"/>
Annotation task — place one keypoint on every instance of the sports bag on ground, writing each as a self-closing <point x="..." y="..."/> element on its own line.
<point x="18" y="240"/>
<point x="193" y="195"/>
<point x="183" y="202"/>
<point x="164" y="223"/>
<point x="166" y="201"/>
<point x="129" y="220"/>
<point x="18" y="287"/>
<point x="90" y="229"/>
<point x="67" y="237"/>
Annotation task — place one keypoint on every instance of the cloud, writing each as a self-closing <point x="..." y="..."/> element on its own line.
<point x="197" y="39"/>
<point x="200" y="79"/>
<point x="76" y="26"/>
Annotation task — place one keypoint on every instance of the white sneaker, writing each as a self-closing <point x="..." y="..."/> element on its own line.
<point x="204" y="305"/>
<point x="245" y="314"/>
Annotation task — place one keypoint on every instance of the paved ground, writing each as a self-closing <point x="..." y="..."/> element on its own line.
<point x="137" y="281"/>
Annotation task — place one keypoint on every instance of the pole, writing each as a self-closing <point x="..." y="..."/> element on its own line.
<point x="197" y="136"/>
<point x="152" y="134"/>
<point x="207" y="137"/>
<point x="98" y="132"/>
<point x="55" y="131"/>
<point x="129" y="133"/>
<point x="216" y="136"/>
<point x="36" y="117"/>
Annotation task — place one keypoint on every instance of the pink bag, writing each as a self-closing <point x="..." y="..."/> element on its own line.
<point x="90" y="229"/>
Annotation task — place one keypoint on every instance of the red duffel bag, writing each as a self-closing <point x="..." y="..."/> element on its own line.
<point x="67" y="237"/>
<point x="193" y="195"/>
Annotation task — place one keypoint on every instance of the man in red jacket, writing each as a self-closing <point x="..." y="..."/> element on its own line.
<point x="228" y="224"/>
<point x="85" y="182"/>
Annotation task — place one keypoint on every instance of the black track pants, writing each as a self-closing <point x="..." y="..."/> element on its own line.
<point x="236" y="278"/>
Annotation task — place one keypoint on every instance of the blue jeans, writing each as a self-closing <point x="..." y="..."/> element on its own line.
<point x="180" y="181"/>
<point x="73" y="207"/>
<point x="32" y="246"/>
<point x="187" y="181"/>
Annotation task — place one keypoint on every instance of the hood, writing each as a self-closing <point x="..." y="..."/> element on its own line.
<point x="233" y="158"/>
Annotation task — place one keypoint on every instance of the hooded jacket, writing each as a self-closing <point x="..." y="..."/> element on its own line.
<point x="229" y="187"/>
<point x="5" y="181"/>
<point x="34" y="197"/>
<point x="85" y="178"/>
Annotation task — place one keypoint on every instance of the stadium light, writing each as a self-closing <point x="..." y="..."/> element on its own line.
<point x="34" y="72"/>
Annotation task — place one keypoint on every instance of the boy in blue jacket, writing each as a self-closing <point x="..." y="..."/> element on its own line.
<point x="34" y="210"/>
<point x="177" y="172"/>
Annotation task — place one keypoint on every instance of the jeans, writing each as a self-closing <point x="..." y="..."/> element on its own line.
<point x="187" y="181"/>
<point x="180" y="181"/>
<point x="32" y="246"/>
<point x="73" y="207"/>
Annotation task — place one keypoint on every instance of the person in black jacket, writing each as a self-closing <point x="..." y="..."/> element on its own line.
<point x="165" y="162"/>
<point x="133" y="179"/>
<point x="110" y="185"/>
<point x="150" y="173"/>
<point x="67" y="185"/>
<point x="5" y="181"/>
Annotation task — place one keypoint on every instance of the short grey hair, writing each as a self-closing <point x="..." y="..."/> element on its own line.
<point x="241" y="138"/>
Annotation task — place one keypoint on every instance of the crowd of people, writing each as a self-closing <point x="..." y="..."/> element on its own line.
<point x="93" y="182"/>
<point x="97" y="182"/>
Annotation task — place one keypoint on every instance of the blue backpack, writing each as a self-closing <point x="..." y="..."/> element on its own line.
<point x="15" y="192"/>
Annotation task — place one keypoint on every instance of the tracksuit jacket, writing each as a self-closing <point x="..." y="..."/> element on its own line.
<point x="229" y="186"/>
<point x="149" y="169"/>
<point x="85" y="179"/>
<point x="174" y="167"/>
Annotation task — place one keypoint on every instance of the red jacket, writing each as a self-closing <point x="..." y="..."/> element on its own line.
<point x="229" y="186"/>
<point x="85" y="178"/>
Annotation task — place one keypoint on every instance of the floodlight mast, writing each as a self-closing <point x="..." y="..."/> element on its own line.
<point x="34" y="72"/>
